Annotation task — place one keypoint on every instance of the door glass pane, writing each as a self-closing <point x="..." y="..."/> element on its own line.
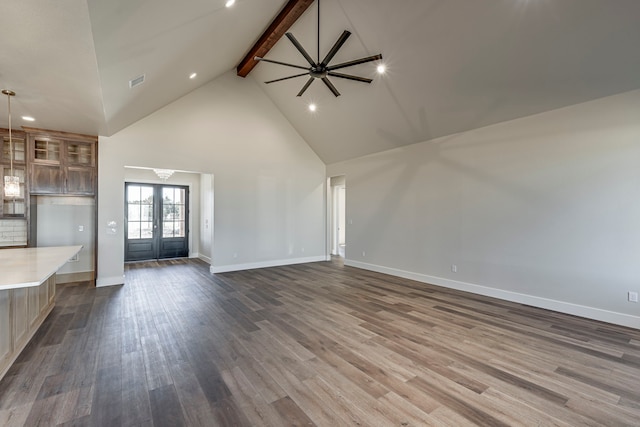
<point x="178" y="229"/>
<point x="168" y="212"/>
<point x="179" y="212"/>
<point x="167" y="229"/>
<point x="173" y="212"/>
<point x="147" y="213"/>
<point x="146" y="195"/>
<point x="134" y="230"/>
<point x="168" y="195"/>
<point x="146" y="230"/>
<point x="133" y="194"/>
<point x="140" y="212"/>
<point x="134" y="212"/>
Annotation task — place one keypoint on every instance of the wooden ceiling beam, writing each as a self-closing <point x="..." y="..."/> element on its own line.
<point x="280" y="25"/>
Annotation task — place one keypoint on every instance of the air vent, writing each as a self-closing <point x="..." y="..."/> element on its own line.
<point x="136" y="81"/>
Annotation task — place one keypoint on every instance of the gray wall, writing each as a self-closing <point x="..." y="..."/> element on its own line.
<point x="268" y="184"/>
<point x="59" y="220"/>
<point x="544" y="210"/>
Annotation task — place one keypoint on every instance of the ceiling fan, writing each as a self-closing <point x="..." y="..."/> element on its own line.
<point x="321" y="69"/>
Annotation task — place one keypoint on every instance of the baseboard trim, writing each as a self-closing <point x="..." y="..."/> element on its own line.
<point x="264" y="264"/>
<point x="79" y="276"/>
<point x="205" y="259"/>
<point x="109" y="281"/>
<point x="549" y="304"/>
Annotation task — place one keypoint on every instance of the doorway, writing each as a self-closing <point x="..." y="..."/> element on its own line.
<point x="338" y="215"/>
<point x="156" y="221"/>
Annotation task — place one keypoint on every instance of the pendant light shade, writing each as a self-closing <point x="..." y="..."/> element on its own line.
<point x="11" y="182"/>
<point x="11" y="186"/>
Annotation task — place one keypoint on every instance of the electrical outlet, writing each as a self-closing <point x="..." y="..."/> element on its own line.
<point x="633" y="296"/>
<point x="454" y="268"/>
<point x="363" y="254"/>
<point x="81" y="228"/>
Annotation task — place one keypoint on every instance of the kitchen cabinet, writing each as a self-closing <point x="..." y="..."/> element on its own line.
<point x="27" y="295"/>
<point x="61" y="163"/>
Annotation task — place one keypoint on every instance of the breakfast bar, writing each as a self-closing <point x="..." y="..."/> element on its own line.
<point x="27" y="295"/>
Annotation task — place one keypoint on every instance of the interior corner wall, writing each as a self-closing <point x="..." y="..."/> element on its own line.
<point x="268" y="183"/>
<point x="543" y="210"/>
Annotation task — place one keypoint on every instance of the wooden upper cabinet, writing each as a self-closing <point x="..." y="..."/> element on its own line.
<point x="61" y="163"/>
<point x="46" y="179"/>
<point x="80" y="153"/>
<point x="80" y="180"/>
<point x="18" y="147"/>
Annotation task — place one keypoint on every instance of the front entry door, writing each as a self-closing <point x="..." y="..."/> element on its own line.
<point x="156" y="221"/>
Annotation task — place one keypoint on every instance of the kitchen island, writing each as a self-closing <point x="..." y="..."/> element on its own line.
<point x="27" y="295"/>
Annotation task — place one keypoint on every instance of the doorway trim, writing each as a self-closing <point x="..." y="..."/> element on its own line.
<point x="336" y="218"/>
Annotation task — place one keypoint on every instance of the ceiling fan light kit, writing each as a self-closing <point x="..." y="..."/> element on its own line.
<point x="321" y="69"/>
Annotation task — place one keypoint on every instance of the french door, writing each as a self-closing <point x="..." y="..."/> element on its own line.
<point x="156" y="221"/>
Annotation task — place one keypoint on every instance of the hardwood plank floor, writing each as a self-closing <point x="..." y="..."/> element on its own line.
<point x="314" y="344"/>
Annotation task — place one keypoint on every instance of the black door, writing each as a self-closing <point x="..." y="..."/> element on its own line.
<point x="156" y="221"/>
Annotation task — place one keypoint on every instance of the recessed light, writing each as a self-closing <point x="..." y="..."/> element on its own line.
<point x="28" y="118"/>
<point x="193" y="75"/>
<point x="381" y="69"/>
<point x="229" y="3"/>
<point x="313" y="107"/>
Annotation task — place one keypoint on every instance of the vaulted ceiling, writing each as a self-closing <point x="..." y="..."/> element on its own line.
<point x="453" y="65"/>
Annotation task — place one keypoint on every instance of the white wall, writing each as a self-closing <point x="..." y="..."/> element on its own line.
<point x="268" y="186"/>
<point x="206" y="217"/>
<point x="191" y="180"/>
<point x="543" y="210"/>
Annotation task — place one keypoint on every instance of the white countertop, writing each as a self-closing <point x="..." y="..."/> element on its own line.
<point x="23" y="268"/>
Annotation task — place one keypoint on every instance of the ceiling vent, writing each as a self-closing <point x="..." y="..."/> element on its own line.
<point x="136" y="81"/>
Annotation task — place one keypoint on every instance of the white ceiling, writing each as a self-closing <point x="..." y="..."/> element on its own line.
<point x="453" y="65"/>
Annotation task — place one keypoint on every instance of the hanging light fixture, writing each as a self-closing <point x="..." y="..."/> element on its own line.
<point x="11" y="182"/>
<point x="164" y="174"/>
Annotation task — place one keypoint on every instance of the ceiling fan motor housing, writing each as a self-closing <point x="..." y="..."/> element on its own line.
<point x="318" y="72"/>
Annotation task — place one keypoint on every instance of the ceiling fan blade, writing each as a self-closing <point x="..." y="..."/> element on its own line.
<point x="355" y="62"/>
<point x="306" y="86"/>
<point x="336" y="47"/>
<point x="350" y="77"/>
<point x="257" y="58"/>
<point x="300" y="49"/>
<point x="331" y="87"/>
<point x="287" y="78"/>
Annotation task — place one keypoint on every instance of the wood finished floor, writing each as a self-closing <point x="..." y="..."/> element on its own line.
<point x="314" y="344"/>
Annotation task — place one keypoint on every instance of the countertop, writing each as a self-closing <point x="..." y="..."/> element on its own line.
<point x="26" y="267"/>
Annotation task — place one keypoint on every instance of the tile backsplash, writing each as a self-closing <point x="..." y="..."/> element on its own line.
<point x="13" y="232"/>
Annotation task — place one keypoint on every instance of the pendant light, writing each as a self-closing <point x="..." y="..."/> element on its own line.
<point x="11" y="182"/>
<point x="164" y="174"/>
